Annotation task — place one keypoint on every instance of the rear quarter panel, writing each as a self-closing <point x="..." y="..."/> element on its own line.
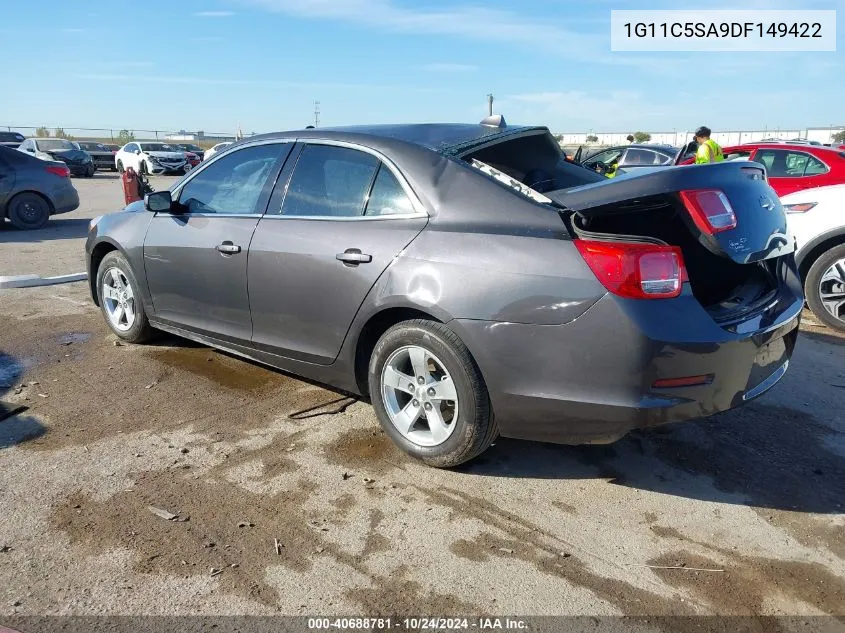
<point x="490" y="254"/>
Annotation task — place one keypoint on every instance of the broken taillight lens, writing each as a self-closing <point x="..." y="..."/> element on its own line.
<point x="634" y="270"/>
<point x="710" y="209"/>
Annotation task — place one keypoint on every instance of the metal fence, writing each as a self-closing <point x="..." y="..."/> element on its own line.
<point x="113" y="135"/>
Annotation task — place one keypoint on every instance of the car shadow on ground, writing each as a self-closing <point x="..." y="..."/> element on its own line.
<point x="761" y="455"/>
<point x="58" y="228"/>
<point x="15" y="426"/>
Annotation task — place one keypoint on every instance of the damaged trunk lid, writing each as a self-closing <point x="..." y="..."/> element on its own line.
<point x="708" y="195"/>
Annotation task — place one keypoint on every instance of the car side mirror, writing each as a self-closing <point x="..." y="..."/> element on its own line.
<point x="137" y="151"/>
<point x="158" y="201"/>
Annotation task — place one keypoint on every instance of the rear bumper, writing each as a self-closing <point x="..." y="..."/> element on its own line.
<point x="64" y="198"/>
<point x="79" y="170"/>
<point x="590" y="381"/>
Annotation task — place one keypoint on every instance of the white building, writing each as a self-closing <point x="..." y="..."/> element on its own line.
<point x="680" y="137"/>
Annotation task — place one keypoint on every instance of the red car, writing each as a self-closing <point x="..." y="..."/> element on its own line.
<point x="793" y="167"/>
<point x="193" y="159"/>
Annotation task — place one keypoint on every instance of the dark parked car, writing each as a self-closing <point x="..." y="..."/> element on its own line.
<point x="194" y="149"/>
<point x="635" y="156"/>
<point x="413" y="264"/>
<point x="78" y="161"/>
<point x="31" y="189"/>
<point x="11" y="139"/>
<point x="103" y="157"/>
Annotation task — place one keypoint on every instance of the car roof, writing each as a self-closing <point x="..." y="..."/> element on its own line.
<point x="445" y="138"/>
<point x="801" y="147"/>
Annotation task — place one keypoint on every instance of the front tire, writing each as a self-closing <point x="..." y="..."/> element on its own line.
<point x="28" y="211"/>
<point x="120" y="299"/>
<point x="120" y="166"/>
<point x="429" y="395"/>
<point x="825" y="288"/>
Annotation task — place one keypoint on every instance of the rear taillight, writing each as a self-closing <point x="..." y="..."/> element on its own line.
<point x="801" y="207"/>
<point x="710" y="210"/>
<point x="64" y="172"/>
<point x="634" y="270"/>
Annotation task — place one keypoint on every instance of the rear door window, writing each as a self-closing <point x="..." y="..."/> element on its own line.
<point x="388" y="197"/>
<point x="738" y="154"/>
<point x="330" y="181"/>
<point x="635" y="156"/>
<point x="782" y="163"/>
<point x="815" y="167"/>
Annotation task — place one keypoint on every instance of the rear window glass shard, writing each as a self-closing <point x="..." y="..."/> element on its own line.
<point x="506" y="180"/>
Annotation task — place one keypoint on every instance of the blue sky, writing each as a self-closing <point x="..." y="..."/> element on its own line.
<point x="260" y="64"/>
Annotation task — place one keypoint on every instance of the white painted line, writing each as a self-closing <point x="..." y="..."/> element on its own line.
<point x="31" y="281"/>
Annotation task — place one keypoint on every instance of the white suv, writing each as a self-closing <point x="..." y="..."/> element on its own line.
<point x="151" y="158"/>
<point x="816" y="219"/>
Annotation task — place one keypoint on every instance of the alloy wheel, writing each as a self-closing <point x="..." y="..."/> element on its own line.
<point x="419" y="396"/>
<point x="119" y="299"/>
<point x="832" y="289"/>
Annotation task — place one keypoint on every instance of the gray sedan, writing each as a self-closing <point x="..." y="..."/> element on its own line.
<point x="466" y="279"/>
<point x="31" y="189"/>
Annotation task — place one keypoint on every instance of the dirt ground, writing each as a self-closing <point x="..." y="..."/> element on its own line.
<point x="740" y="514"/>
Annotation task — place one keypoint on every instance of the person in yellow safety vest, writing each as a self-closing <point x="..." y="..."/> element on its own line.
<point x="612" y="168"/>
<point x="709" y="150"/>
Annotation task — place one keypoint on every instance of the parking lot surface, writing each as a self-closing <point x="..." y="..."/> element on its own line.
<point x="289" y="499"/>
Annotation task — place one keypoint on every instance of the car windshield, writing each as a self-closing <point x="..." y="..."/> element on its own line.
<point x="93" y="147"/>
<point x="159" y="147"/>
<point x="54" y="143"/>
<point x="191" y="148"/>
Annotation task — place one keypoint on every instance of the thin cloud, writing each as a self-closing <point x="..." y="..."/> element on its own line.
<point x="163" y="80"/>
<point x="470" y="22"/>
<point x="214" y="14"/>
<point x="221" y="81"/>
<point x="446" y="67"/>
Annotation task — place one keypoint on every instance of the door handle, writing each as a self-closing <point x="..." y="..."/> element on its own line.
<point x="353" y="257"/>
<point x="228" y="248"/>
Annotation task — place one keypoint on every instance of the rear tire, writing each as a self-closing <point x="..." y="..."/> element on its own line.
<point x="121" y="304"/>
<point x="28" y="211"/>
<point x="463" y="426"/>
<point x="825" y="284"/>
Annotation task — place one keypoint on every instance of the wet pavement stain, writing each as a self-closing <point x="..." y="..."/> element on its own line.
<point x="566" y="507"/>
<point x="667" y="532"/>
<point x="399" y="596"/>
<point x="211" y="538"/>
<point x="548" y="553"/>
<point x="748" y="582"/>
<point x="74" y="337"/>
<point x="368" y="449"/>
<point x="375" y="542"/>
<point x="220" y="369"/>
